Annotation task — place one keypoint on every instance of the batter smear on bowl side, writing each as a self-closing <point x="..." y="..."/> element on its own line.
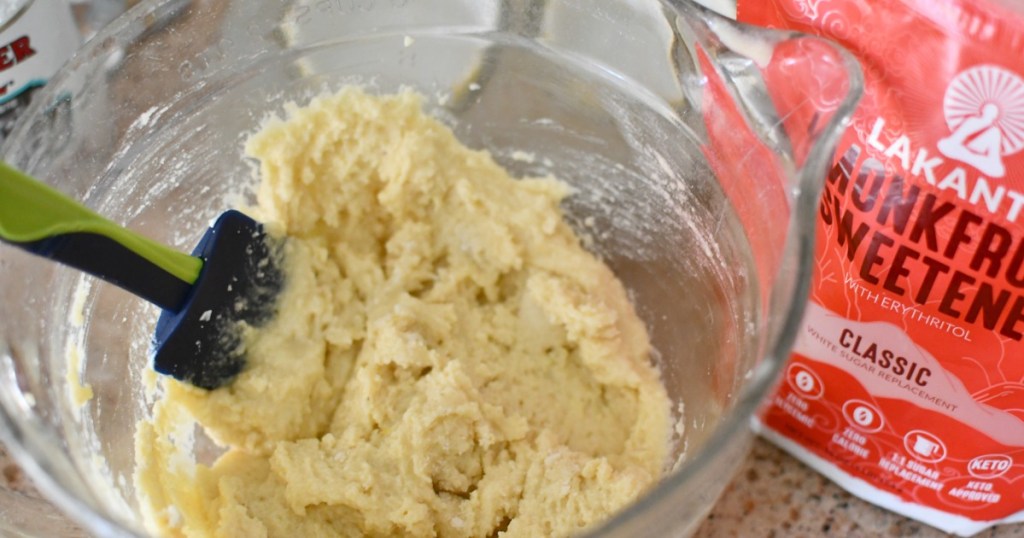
<point x="447" y="359"/>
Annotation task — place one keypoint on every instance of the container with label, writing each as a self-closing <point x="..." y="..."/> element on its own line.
<point x="36" y="37"/>
<point x="906" y="385"/>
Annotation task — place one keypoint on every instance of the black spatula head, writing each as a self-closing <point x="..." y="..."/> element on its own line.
<point x="201" y="342"/>
<point x="232" y="279"/>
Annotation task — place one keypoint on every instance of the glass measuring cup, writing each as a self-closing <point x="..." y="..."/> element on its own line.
<point x="696" y="147"/>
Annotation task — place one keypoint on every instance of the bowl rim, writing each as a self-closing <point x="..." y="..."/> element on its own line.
<point x="733" y="425"/>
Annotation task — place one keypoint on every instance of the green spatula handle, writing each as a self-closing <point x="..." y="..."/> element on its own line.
<point x="40" y="219"/>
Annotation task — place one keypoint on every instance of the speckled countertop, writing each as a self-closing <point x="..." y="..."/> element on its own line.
<point x="772" y="495"/>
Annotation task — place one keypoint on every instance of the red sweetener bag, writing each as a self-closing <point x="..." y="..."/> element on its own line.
<point x="906" y="385"/>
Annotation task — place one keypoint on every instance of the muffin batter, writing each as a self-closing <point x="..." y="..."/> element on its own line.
<point x="447" y="359"/>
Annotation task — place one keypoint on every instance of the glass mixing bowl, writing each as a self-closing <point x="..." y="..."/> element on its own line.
<point x="696" y="148"/>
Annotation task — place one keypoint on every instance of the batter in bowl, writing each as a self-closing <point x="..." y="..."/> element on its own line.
<point x="447" y="359"/>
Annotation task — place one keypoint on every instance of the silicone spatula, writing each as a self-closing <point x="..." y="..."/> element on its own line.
<point x="232" y="276"/>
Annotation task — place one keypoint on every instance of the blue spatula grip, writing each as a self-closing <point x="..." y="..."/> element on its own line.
<point x="107" y="259"/>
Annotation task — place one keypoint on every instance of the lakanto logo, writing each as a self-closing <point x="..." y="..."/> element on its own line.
<point x="984" y="108"/>
<point x="989" y="466"/>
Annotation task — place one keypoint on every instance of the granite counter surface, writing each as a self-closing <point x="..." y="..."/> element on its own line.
<point x="774" y="495"/>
